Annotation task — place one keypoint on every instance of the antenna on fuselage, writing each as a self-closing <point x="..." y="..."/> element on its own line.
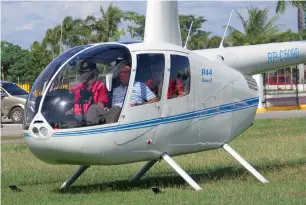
<point x="221" y="44"/>
<point x="188" y="34"/>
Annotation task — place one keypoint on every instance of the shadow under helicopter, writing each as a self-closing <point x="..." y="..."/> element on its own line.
<point x="229" y="172"/>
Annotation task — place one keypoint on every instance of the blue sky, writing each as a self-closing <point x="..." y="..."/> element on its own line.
<point x="24" y="22"/>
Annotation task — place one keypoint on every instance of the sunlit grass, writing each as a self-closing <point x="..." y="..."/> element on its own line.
<point x="277" y="148"/>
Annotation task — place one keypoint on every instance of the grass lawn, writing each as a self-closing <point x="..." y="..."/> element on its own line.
<point x="276" y="148"/>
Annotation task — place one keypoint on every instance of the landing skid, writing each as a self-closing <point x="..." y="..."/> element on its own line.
<point x="175" y="166"/>
<point x="187" y="178"/>
<point x="244" y="163"/>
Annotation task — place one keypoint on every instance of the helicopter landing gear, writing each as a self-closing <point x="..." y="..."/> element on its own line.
<point x="244" y="163"/>
<point x="74" y="176"/>
<point x="172" y="164"/>
<point x="181" y="172"/>
<point x="143" y="170"/>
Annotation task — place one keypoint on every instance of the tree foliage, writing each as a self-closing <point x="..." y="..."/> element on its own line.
<point x="20" y="64"/>
<point x="72" y="32"/>
<point x="39" y="59"/>
<point x="214" y="42"/>
<point x="13" y="57"/>
<point x="137" y="28"/>
<point x="299" y="4"/>
<point x="257" y="29"/>
<point x="197" y="39"/>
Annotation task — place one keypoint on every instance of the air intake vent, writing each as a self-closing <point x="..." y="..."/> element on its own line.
<point x="38" y="122"/>
<point x="251" y="82"/>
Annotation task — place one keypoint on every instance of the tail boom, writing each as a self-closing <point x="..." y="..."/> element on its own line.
<point x="256" y="59"/>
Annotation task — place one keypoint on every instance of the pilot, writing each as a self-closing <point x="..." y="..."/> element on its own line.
<point x="141" y="94"/>
<point x="90" y="94"/>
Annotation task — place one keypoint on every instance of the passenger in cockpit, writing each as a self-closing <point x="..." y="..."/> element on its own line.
<point x="175" y="89"/>
<point x="156" y="82"/>
<point x="141" y="94"/>
<point x="90" y="94"/>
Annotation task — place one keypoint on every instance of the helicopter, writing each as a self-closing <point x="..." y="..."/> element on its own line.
<point x="125" y="102"/>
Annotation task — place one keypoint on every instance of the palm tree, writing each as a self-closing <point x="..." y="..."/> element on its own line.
<point x="87" y="30"/>
<point x="76" y="31"/>
<point x="300" y="5"/>
<point x="51" y="41"/>
<point x="137" y="28"/>
<point x="257" y="29"/>
<point x="107" y="28"/>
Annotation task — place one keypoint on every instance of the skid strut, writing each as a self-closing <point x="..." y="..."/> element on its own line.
<point x="143" y="170"/>
<point x="74" y="176"/>
<point x="181" y="172"/>
<point x="244" y="163"/>
<point x="172" y="164"/>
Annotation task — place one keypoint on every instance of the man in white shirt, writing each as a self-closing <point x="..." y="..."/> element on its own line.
<point x="141" y="93"/>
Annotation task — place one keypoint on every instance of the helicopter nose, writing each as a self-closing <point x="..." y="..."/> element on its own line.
<point x="71" y="150"/>
<point x="53" y="150"/>
<point x="38" y="141"/>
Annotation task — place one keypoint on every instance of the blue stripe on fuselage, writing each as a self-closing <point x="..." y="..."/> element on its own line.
<point x="26" y="134"/>
<point x="207" y="112"/>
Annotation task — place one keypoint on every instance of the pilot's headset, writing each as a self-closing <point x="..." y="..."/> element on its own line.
<point x="88" y="70"/>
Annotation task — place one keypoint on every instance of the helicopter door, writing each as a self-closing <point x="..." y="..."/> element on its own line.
<point x="178" y="103"/>
<point x="142" y="109"/>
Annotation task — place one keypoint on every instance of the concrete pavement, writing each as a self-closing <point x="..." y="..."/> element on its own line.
<point x="10" y="129"/>
<point x="281" y="114"/>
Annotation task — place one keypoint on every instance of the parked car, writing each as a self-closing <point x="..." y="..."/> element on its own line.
<point x="13" y="99"/>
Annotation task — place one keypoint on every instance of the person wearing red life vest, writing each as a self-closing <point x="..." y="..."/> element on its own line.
<point x="90" y="93"/>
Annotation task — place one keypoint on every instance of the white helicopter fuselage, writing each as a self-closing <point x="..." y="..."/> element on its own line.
<point x="221" y="104"/>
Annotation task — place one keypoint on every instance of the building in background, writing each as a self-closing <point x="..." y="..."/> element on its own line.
<point x="282" y="88"/>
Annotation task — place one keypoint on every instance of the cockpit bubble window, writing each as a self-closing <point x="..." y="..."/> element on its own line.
<point x="84" y="93"/>
<point x="42" y="81"/>
<point x="149" y="79"/>
<point x="179" y="82"/>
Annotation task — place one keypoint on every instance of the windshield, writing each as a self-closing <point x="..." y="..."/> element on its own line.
<point x="90" y="89"/>
<point x="42" y="81"/>
<point x="14" y="89"/>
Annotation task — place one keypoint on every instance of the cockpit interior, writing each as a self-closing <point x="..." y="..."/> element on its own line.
<point x="87" y="85"/>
